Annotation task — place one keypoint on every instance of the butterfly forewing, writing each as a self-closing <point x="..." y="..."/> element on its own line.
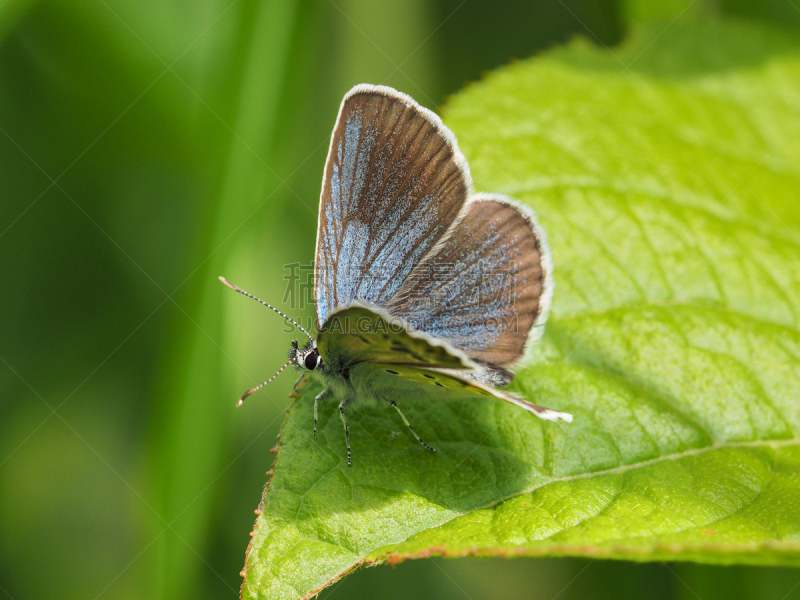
<point x="486" y="287"/>
<point x="359" y="334"/>
<point x="394" y="182"/>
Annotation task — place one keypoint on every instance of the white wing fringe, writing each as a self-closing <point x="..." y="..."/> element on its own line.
<point x="548" y="414"/>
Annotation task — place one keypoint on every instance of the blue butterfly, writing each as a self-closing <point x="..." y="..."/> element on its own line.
<point x="423" y="289"/>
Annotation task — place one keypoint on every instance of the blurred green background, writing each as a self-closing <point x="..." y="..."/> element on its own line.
<point x="148" y="147"/>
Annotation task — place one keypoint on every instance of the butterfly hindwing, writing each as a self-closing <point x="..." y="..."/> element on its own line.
<point x="402" y="381"/>
<point x="360" y="333"/>
<point x="486" y="287"/>
<point x="394" y="183"/>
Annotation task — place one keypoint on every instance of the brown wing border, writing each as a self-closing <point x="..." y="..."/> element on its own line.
<point x="548" y="285"/>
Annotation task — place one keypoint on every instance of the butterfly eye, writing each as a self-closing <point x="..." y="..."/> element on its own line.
<point x="312" y="360"/>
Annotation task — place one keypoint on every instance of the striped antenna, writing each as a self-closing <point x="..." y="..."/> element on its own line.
<point x="287" y="317"/>
<point x="258" y="387"/>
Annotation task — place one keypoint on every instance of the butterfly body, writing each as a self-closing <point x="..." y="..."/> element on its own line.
<point x="423" y="290"/>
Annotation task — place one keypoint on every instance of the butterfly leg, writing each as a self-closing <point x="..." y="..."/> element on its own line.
<point x="402" y="416"/>
<point x="346" y="432"/>
<point x="323" y="395"/>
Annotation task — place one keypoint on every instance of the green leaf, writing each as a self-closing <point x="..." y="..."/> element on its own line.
<point x="666" y="175"/>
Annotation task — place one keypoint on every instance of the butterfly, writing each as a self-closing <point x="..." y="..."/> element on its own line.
<point x="423" y="289"/>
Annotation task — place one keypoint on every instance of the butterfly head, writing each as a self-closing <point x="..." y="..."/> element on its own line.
<point x="307" y="358"/>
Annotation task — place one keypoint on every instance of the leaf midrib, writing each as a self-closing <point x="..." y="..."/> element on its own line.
<point x="774" y="444"/>
<point x="571" y="548"/>
<point x="621" y="469"/>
